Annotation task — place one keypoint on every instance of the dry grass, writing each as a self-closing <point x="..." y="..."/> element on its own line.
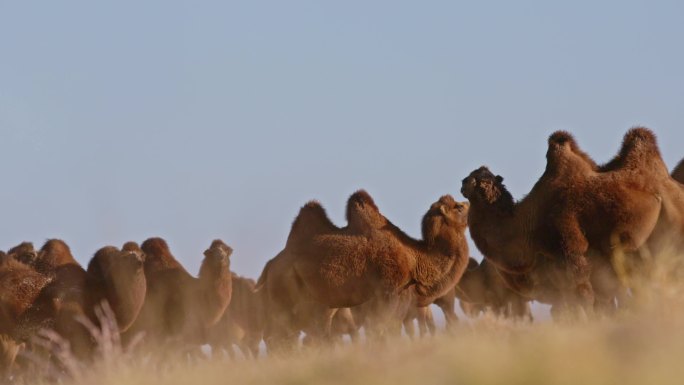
<point x="626" y="350"/>
<point x="644" y="345"/>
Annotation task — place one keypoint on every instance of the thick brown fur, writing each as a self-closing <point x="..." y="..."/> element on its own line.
<point x="242" y="323"/>
<point x="562" y="236"/>
<point x="678" y="172"/>
<point x="178" y="307"/>
<point x="119" y="278"/>
<point x="157" y="256"/>
<point x="20" y="285"/>
<point x="54" y="254"/>
<point x="324" y="267"/>
<point x="24" y="253"/>
<point x="73" y="293"/>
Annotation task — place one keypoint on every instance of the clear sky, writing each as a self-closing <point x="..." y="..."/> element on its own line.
<point x="191" y="121"/>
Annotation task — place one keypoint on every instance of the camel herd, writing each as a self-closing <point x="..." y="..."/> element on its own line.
<point x="578" y="241"/>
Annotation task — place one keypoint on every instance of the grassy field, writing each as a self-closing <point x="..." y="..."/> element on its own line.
<point x="628" y="349"/>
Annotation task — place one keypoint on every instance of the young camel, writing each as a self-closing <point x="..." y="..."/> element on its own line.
<point x="178" y="307"/>
<point x="576" y="212"/>
<point x="324" y="267"/>
<point x="483" y="288"/>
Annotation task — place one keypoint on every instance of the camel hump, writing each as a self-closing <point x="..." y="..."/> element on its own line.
<point x="639" y="150"/>
<point x="362" y="212"/>
<point x="678" y="172"/>
<point x="361" y="198"/>
<point x="311" y="220"/>
<point x="563" y="149"/>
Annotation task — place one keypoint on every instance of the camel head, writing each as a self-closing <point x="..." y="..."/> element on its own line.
<point x="133" y="247"/>
<point x="482" y="186"/>
<point x="155" y="247"/>
<point x="444" y="217"/>
<point x="121" y="275"/>
<point x="217" y="255"/>
<point x="24" y="253"/>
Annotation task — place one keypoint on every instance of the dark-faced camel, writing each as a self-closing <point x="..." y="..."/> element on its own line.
<point x="576" y="213"/>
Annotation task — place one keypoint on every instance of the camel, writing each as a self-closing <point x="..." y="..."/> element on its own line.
<point x="71" y="293"/>
<point x="20" y="286"/>
<point x="576" y="213"/>
<point x="324" y="267"/>
<point x="24" y="253"/>
<point x="483" y="288"/>
<point x="178" y="307"/>
<point x="117" y="276"/>
<point x="678" y="172"/>
<point x="242" y="323"/>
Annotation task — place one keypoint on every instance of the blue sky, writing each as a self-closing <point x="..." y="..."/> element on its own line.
<point x="194" y="121"/>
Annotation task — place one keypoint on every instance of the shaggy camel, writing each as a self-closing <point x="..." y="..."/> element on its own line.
<point x="242" y="323"/>
<point x="117" y="276"/>
<point x="24" y="253"/>
<point x="324" y="267"/>
<point x="678" y="172"/>
<point x="575" y="213"/>
<point x="20" y="286"/>
<point x="483" y="288"/>
<point x="179" y="307"/>
<point x="71" y="293"/>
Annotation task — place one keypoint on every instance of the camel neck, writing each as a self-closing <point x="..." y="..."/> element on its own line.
<point x="215" y="293"/>
<point x="501" y="235"/>
<point x="440" y="266"/>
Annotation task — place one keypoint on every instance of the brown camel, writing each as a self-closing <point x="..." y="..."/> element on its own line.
<point x="72" y="293"/>
<point x="483" y="288"/>
<point x="324" y="267"/>
<point x="24" y="253"/>
<point x="178" y="307"/>
<point x="118" y="277"/>
<point x="20" y="285"/>
<point x="576" y="212"/>
<point x="678" y="172"/>
<point x="242" y="323"/>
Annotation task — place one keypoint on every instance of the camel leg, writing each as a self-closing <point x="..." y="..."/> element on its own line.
<point x="449" y="310"/>
<point x="328" y="315"/>
<point x="574" y="246"/>
<point x="430" y="321"/>
<point x="409" y="327"/>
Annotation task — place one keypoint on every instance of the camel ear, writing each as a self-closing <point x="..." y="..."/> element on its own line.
<point x="443" y="210"/>
<point x="499" y="179"/>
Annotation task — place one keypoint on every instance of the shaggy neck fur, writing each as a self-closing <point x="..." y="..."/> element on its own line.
<point x="215" y="290"/>
<point x="497" y="227"/>
<point x="441" y="260"/>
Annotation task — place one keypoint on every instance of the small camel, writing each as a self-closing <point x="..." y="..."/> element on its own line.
<point x="178" y="307"/>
